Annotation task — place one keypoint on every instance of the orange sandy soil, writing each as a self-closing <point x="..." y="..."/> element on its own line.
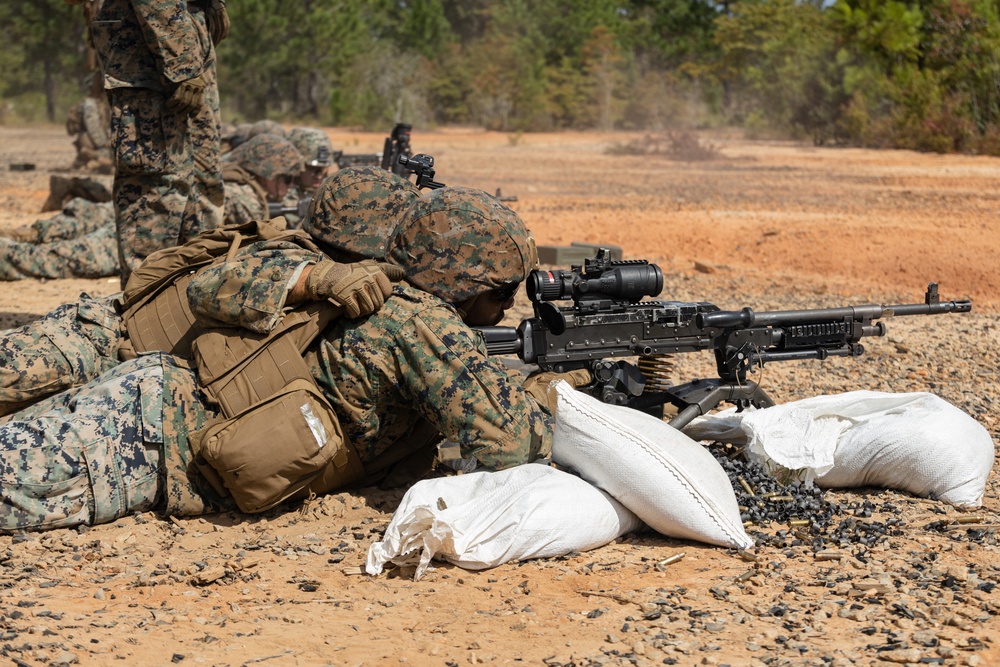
<point x="770" y="221"/>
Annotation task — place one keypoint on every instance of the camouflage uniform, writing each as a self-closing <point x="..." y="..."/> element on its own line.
<point x="77" y="243"/>
<point x="89" y="123"/>
<point x="77" y="342"/>
<point x="265" y="156"/>
<point x="414" y="362"/>
<point x="168" y="181"/>
<point x="394" y="377"/>
<point x="115" y="446"/>
<point x="317" y="153"/>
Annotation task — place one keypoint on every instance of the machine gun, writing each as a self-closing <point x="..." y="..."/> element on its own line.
<point x="301" y="208"/>
<point x="609" y="319"/>
<point x="423" y="166"/>
<point x="397" y="145"/>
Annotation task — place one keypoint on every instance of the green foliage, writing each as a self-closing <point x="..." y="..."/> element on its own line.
<point x="42" y="58"/>
<point x="921" y="74"/>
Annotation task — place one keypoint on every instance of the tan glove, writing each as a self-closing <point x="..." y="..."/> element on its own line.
<point x="218" y="21"/>
<point x="392" y="272"/>
<point x="188" y="96"/>
<point x="361" y="288"/>
<point x="537" y="384"/>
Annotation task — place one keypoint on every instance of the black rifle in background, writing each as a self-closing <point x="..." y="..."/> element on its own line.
<point x="423" y="166"/>
<point x="397" y="145"/>
<point x="608" y="319"/>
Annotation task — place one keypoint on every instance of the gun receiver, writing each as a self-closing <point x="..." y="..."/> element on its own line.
<point x="608" y="319"/>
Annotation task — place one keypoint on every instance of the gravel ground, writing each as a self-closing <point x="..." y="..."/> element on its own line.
<point x="877" y="577"/>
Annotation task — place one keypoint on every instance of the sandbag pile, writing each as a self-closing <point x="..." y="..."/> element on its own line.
<point x="634" y="468"/>
<point x="630" y="469"/>
<point x="915" y="442"/>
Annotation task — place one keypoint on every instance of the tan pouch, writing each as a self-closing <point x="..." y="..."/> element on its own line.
<point x="286" y="446"/>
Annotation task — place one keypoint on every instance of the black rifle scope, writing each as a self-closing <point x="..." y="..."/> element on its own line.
<point x="622" y="280"/>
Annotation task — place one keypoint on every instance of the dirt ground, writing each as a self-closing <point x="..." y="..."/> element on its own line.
<point x="771" y="222"/>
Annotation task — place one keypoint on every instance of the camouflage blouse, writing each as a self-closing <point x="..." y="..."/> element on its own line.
<point x="414" y="360"/>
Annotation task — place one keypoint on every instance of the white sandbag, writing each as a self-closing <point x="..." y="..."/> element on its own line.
<point x="483" y="519"/>
<point x="671" y="482"/>
<point x="915" y="442"/>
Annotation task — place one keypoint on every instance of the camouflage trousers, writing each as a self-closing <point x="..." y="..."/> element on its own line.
<point x="92" y="255"/>
<point x="168" y="176"/>
<point x="79" y="217"/>
<point x="86" y="456"/>
<point x="66" y="348"/>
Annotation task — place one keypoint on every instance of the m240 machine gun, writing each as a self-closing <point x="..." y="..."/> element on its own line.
<point x="609" y="319"/>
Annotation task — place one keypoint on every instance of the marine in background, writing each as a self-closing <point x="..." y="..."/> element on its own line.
<point x="158" y="61"/>
<point x="79" y="242"/>
<point x="318" y="157"/>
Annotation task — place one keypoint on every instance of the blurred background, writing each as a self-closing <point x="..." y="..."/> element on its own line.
<point x="923" y="74"/>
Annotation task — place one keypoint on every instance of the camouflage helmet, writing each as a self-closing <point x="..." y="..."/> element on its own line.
<point x="313" y="145"/>
<point x="266" y="127"/>
<point x="267" y="156"/>
<point x="457" y="243"/>
<point x="357" y="208"/>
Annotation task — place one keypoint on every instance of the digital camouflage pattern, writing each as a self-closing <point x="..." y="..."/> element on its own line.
<point x="89" y="460"/>
<point x="115" y="446"/>
<point x="89" y="123"/>
<point x="168" y="183"/>
<point x="458" y="242"/>
<point x="245" y="199"/>
<point x="414" y="360"/>
<point x="78" y="217"/>
<point x="77" y="243"/>
<point x="313" y="145"/>
<point x="205" y="209"/>
<point x="151" y="44"/>
<point x="411" y="363"/>
<point x="265" y="127"/>
<point x="89" y="256"/>
<point x="66" y="348"/>
<point x="267" y="156"/>
<point x="250" y="291"/>
<point x="356" y="209"/>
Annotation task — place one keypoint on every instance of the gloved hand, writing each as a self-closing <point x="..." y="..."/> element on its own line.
<point x="537" y="384"/>
<point x="188" y="96"/>
<point x="218" y="20"/>
<point x="361" y="288"/>
<point x="393" y="272"/>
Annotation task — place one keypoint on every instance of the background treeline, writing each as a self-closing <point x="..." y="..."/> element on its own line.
<point x="923" y="74"/>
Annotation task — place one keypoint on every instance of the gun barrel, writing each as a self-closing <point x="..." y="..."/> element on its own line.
<point x="747" y="317"/>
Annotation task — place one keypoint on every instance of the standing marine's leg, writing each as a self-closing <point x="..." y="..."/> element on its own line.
<point x="206" y="204"/>
<point x="154" y="166"/>
<point x="88" y="460"/>
<point x="67" y="348"/>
